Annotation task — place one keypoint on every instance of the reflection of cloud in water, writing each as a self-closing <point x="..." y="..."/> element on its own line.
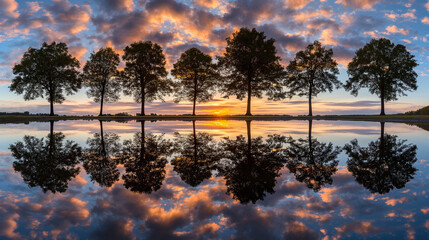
<point x="344" y="209"/>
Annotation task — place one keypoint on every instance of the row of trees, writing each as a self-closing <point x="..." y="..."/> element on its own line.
<point x="250" y="67"/>
<point x="249" y="165"/>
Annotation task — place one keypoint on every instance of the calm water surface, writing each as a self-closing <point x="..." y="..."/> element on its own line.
<point x="213" y="180"/>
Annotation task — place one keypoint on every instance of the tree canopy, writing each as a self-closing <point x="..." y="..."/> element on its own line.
<point x="145" y="76"/>
<point x="100" y="75"/>
<point x="250" y="167"/>
<point x="384" y="164"/>
<point x="386" y="69"/>
<point x="49" y="163"/>
<point x="250" y="65"/>
<point x="100" y="158"/>
<point x="197" y="156"/>
<point x="144" y="158"/>
<point x="198" y="77"/>
<point x="313" y="71"/>
<point x="49" y="72"/>
<point x="311" y="161"/>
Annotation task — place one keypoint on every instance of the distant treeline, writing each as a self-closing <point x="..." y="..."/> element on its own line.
<point x="15" y="113"/>
<point x="249" y="67"/>
<point x="421" y="111"/>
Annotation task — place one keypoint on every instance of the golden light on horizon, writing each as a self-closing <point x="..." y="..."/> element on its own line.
<point x="220" y="112"/>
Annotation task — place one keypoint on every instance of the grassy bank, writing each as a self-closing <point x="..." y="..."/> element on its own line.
<point x="387" y="118"/>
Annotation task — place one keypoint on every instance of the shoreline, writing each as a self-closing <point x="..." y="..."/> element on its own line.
<point x="370" y="118"/>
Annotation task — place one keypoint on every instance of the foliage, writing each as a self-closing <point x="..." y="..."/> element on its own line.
<point x="198" y="77"/>
<point x="100" y="75"/>
<point x="48" y="163"/>
<point x="49" y="72"/>
<point x="384" y="165"/>
<point x="251" y="166"/>
<point x="100" y="157"/>
<point x="197" y="155"/>
<point x="313" y="71"/>
<point x="312" y="162"/>
<point x="144" y="158"/>
<point x="386" y="69"/>
<point x="145" y="76"/>
<point x="250" y="65"/>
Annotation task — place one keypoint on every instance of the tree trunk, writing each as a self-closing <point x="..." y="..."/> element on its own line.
<point x="249" y="95"/>
<point x="143" y="99"/>
<point x="382" y="113"/>
<point x="195" y="142"/>
<point x="142" y="143"/>
<point x="310" y="141"/>
<point x="52" y="127"/>
<point x="382" y="147"/>
<point x="103" y="89"/>
<point x="249" y="140"/>
<point x="195" y="95"/>
<point x="103" y="145"/>
<point x="310" y="110"/>
<point x="51" y="101"/>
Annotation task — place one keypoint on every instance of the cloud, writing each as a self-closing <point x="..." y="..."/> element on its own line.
<point x="425" y="20"/>
<point x="8" y="8"/>
<point x="71" y="18"/>
<point x="358" y="4"/>
<point x="116" y="5"/>
<point x="5" y="82"/>
<point x="361" y="227"/>
<point x="297" y="4"/>
<point x="394" y="29"/>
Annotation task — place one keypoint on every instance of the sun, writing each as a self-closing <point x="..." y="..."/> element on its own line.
<point x="220" y="112"/>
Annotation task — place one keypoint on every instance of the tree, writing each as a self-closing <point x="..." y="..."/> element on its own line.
<point x="197" y="75"/>
<point x="100" y="157"/>
<point x="313" y="71"/>
<point x="144" y="158"/>
<point x="311" y="161"/>
<point x="250" y="66"/>
<point x="49" y="72"/>
<point x="384" y="165"/>
<point x="250" y="167"/>
<point x="145" y="76"/>
<point x="386" y="69"/>
<point x="48" y="163"/>
<point x="197" y="155"/>
<point x="100" y="76"/>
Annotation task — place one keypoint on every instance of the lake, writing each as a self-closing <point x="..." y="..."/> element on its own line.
<point x="220" y="179"/>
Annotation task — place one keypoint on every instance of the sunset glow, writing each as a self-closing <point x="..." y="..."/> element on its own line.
<point x="177" y="25"/>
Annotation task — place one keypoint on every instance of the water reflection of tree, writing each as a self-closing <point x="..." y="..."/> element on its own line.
<point x="384" y="165"/>
<point x="197" y="154"/>
<point x="99" y="158"/>
<point x="250" y="167"/>
<point x="49" y="163"/>
<point x="311" y="161"/>
<point x="145" y="157"/>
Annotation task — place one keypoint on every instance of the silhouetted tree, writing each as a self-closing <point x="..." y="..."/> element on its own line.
<point x="145" y="76"/>
<point x="386" y="69"/>
<point x="48" y="163"/>
<point x="197" y="75"/>
<point x="100" y="75"/>
<point x="384" y="165"/>
<point x="251" y="66"/>
<point x="49" y="72"/>
<point x="313" y="71"/>
<point x="250" y="167"/>
<point x="99" y="158"/>
<point x="311" y="161"/>
<point x="144" y="159"/>
<point x="197" y="154"/>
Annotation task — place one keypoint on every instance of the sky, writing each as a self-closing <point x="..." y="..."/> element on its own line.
<point x="343" y="25"/>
